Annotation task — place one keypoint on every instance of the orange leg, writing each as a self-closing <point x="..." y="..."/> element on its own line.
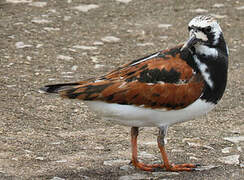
<point x="152" y="167"/>
<point x="135" y="162"/>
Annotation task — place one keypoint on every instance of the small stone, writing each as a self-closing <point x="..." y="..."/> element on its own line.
<point x="85" y="7"/>
<point x="116" y="162"/>
<point x="57" y="178"/>
<point x="240" y="8"/>
<point x="193" y="158"/>
<point x="163" y="174"/>
<point x="226" y="150"/>
<point x="239" y="148"/>
<point x="236" y="139"/>
<point x="145" y="44"/>
<point x="39" y="45"/>
<point x="21" y="45"/>
<point x="85" y="47"/>
<point x="62" y="57"/>
<point x="163" y="37"/>
<point x="204" y="168"/>
<point x="146" y="155"/>
<point x="124" y="1"/>
<point x="51" y="29"/>
<point x="98" y="43"/>
<point x="74" y="68"/>
<point x="66" y="18"/>
<point x="97" y="66"/>
<point x="38" y="4"/>
<point x="40" y="21"/>
<point x="134" y="177"/>
<point x="61" y="161"/>
<point x="18" y="1"/>
<point x="40" y="158"/>
<point x="110" y="39"/>
<point x="126" y="167"/>
<point x="199" y="10"/>
<point x="164" y="25"/>
<point x="218" y="5"/>
<point x="94" y="59"/>
<point x="218" y="16"/>
<point x="233" y="159"/>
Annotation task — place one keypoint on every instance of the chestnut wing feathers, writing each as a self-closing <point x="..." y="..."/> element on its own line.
<point x="163" y="81"/>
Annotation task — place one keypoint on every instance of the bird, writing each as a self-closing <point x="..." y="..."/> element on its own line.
<point x="164" y="88"/>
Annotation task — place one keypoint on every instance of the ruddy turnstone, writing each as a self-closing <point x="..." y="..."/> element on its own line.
<point x="164" y="88"/>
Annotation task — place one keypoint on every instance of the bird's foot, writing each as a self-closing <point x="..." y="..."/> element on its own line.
<point x="181" y="167"/>
<point x="147" y="167"/>
<point x="158" y="167"/>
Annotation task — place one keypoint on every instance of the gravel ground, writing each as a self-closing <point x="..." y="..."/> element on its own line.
<point x="46" y="137"/>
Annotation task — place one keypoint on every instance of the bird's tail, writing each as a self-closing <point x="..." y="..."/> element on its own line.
<point x="56" y="88"/>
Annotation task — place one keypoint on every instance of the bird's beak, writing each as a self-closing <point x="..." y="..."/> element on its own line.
<point x="190" y="42"/>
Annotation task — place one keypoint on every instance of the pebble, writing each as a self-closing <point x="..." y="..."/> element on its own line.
<point x="97" y="66"/>
<point x="61" y="161"/>
<point x="66" y="18"/>
<point x="63" y="57"/>
<point x="199" y="10"/>
<point x="21" y="45"/>
<point x="162" y="174"/>
<point x="18" y="1"/>
<point x="218" y="16"/>
<point x="57" y="178"/>
<point x="226" y="150"/>
<point x="124" y="1"/>
<point x="110" y="39"/>
<point x="144" y="154"/>
<point x="218" y="5"/>
<point x="85" y="7"/>
<point x="38" y="4"/>
<point x="85" y="47"/>
<point x="116" y="162"/>
<point x="40" y="21"/>
<point x="145" y="44"/>
<point x="236" y="139"/>
<point x="204" y="168"/>
<point x="51" y="29"/>
<point x="39" y="158"/>
<point x="126" y="167"/>
<point x="240" y="8"/>
<point x="164" y="25"/>
<point x="74" y="68"/>
<point x="233" y="159"/>
<point x="133" y="176"/>
<point x="98" y="43"/>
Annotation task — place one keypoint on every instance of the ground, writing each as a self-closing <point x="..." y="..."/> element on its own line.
<point x="46" y="137"/>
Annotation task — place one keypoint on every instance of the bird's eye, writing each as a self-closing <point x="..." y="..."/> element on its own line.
<point x="207" y="29"/>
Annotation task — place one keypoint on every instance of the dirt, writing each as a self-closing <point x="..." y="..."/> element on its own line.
<point x="46" y="137"/>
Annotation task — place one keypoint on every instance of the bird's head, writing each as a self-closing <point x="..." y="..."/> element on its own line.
<point x="203" y="30"/>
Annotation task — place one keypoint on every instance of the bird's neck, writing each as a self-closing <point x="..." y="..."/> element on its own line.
<point x="212" y="62"/>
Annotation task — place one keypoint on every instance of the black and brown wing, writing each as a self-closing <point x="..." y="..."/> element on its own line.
<point x="162" y="80"/>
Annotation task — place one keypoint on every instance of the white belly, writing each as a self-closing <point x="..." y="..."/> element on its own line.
<point x="130" y="115"/>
